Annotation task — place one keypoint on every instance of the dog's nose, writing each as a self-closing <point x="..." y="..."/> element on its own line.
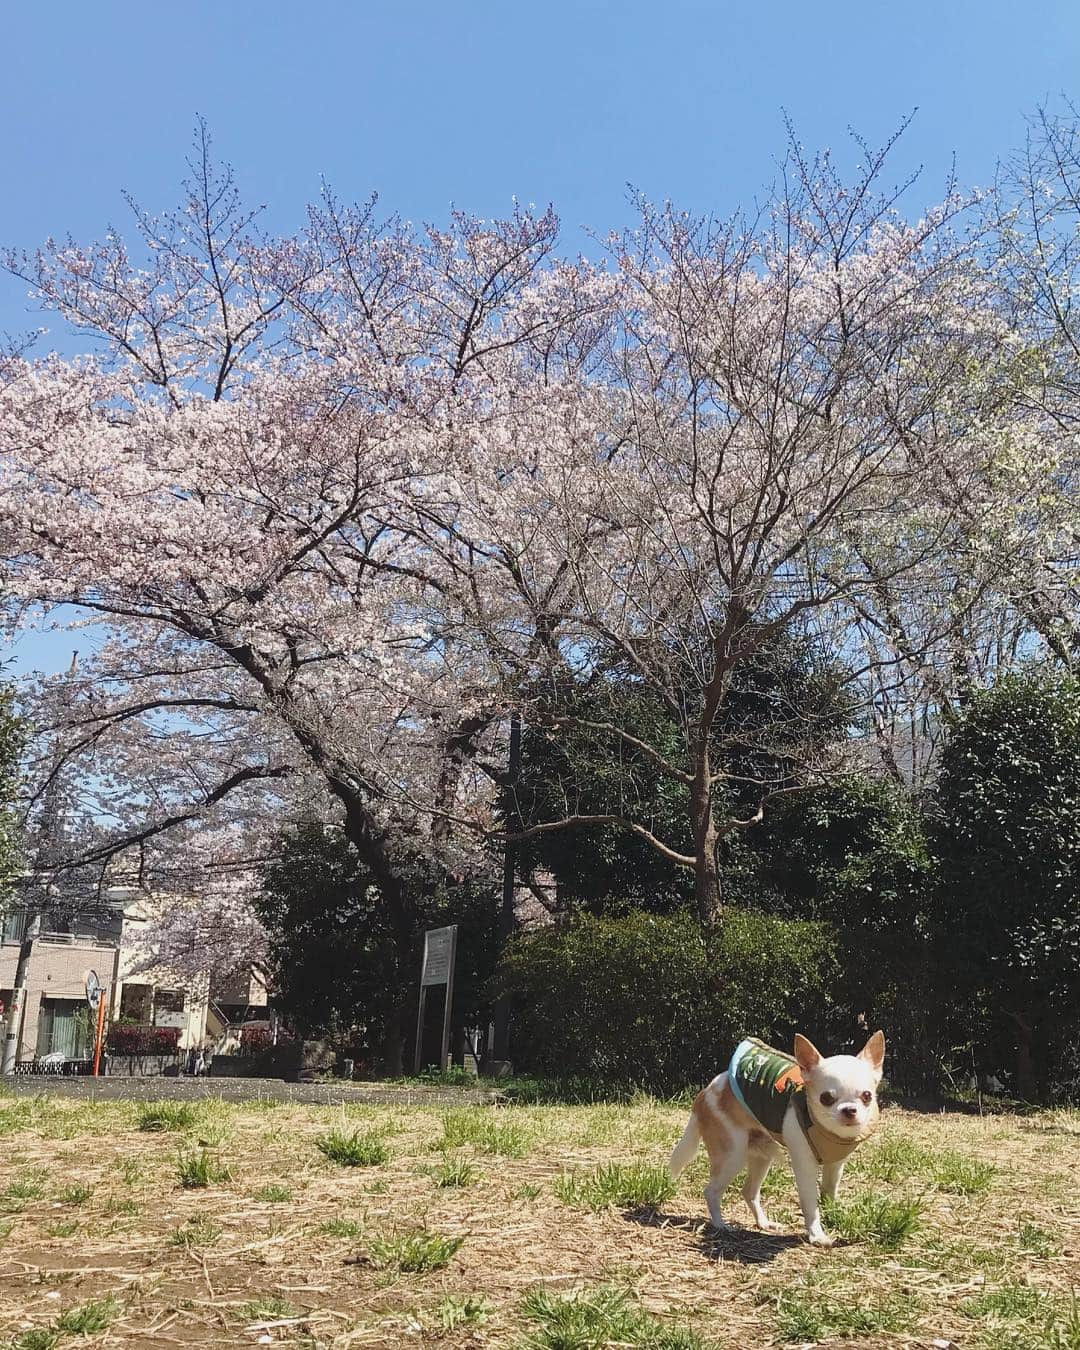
<point x="849" y="1112"/>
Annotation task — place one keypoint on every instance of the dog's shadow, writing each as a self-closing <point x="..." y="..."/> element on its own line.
<point x="746" y="1245"/>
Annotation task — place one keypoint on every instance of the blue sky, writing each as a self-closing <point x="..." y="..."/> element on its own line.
<point x="477" y="102"/>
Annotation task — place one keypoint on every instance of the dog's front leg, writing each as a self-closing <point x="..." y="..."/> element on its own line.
<point x="830" y="1180"/>
<point x="805" y="1167"/>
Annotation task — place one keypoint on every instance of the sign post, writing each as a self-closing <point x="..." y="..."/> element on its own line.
<point x="440" y="953"/>
<point x="94" y="997"/>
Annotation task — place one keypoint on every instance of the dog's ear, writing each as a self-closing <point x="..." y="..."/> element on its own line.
<point x="874" y="1051"/>
<point x="806" y="1054"/>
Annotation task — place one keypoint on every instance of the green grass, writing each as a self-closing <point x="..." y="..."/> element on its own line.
<point x="1009" y="1301"/>
<point x="273" y="1194"/>
<point x="130" y="1171"/>
<point x="88" y="1317"/>
<point x="956" y="1174"/>
<point x="455" y="1172"/>
<point x="1036" y="1241"/>
<point x="160" y="1116"/>
<point x="65" y="1229"/>
<point x="197" y="1232"/>
<point x="456" y="1310"/>
<point x="75" y="1195"/>
<point x="196" y="1171"/>
<point x="362" y="1148"/>
<point x="267" y="1309"/>
<point x="804" y="1314"/>
<point x="341" y="1228"/>
<point x="1019" y="1317"/>
<point x="483" y="1128"/>
<point x="592" y="1319"/>
<point x="18" y="1192"/>
<point x="886" y="1224"/>
<point x="618" y="1185"/>
<point x="413" y="1253"/>
<point x="895" y="1159"/>
<point x="38" y="1338"/>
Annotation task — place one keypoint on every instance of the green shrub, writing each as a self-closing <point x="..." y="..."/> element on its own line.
<point x="642" y="999"/>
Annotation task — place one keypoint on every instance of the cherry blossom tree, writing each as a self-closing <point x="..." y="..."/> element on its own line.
<point x="783" y="399"/>
<point x="230" y="489"/>
<point x="343" y="502"/>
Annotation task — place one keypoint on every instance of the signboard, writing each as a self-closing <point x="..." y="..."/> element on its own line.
<point x="439" y="946"/>
<point x="437" y="968"/>
<point x="93" y="989"/>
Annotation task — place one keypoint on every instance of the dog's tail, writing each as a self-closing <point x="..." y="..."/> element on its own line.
<point x="682" y="1155"/>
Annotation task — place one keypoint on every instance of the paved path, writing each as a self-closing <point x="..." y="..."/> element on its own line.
<point x="242" y="1090"/>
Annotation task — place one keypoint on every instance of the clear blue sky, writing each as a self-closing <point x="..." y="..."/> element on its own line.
<point x="476" y="102"/>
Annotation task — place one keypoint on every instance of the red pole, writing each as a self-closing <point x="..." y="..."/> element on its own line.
<point x="98" y="1032"/>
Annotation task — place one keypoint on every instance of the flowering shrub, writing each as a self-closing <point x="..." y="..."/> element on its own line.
<point x="127" y="1038"/>
<point x="254" y="1040"/>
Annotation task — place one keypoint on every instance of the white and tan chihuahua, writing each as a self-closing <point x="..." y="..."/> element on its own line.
<point x="818" y="1109"/>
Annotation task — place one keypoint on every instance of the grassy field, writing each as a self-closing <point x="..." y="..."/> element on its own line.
<point x="528" y="1226"/>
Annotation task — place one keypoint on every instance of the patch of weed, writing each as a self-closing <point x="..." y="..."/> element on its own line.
<point x="455" y="1172"/>
<point x="76" y="1194"/>
<point x="36" y="1338"/>
<point x="160" y="1116"/>
<point x="342" y="1228"/>
<point x="1036" y="1241"/>
<point x="88" y="1317"/>
<point x="622" y="1185"/>
<point x="64" y="1229"/>
<point x="877" y="1219"/>
<point x="895" y="1159"/>
<point x="273" y="1194"/>
<point x="605" y="1316"/>
<point x="196" y="1171"/>
<point x="362" y="1148"/>
<point x="267" y="1309"/>
<point x="484" y="1130"/>
<point x="413" y="1253"/>
<point x="957" y="1175"/>
<point x="804" y="1315"/>
<point x="456" y="1310"/>
<point x="197" y="1232"/>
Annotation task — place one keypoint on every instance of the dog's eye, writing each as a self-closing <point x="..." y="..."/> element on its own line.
<point x="828" y="1099"/>
<point x="867" y="1098"/>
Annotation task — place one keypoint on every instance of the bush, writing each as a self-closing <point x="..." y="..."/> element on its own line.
<point x="643" y="999"/>
<point x="255" y="1040"/>
<point x="132" y="1038"/>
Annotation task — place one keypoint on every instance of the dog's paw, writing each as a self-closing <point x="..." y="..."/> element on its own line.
<point x="770" y="1226"/>
<point x="820" y="1240"/>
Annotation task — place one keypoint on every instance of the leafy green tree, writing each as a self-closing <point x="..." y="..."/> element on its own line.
<point x="785" y="705"/>
<point x="335" y="949"/>
<point x="1008" y="838"/>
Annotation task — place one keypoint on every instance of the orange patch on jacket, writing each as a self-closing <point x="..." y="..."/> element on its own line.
<point x="792" y="1076"/>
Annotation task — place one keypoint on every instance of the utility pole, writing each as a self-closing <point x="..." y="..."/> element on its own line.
<point x="501" y="1048"/>
<point x="46" y="858"/>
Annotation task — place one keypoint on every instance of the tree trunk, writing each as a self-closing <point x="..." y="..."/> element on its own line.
<point x="706" y="838"/>
<point x="1026" y="1075"/>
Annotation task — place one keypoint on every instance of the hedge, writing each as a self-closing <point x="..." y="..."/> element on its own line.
<point x="643" y="999"/>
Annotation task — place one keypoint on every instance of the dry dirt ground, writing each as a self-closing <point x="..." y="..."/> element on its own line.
<point x="958" y="1230"/>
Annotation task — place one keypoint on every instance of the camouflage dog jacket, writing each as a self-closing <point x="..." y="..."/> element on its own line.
<point x="766" y="1082"/>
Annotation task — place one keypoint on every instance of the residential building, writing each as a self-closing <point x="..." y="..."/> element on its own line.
<point x="64" y="951"/>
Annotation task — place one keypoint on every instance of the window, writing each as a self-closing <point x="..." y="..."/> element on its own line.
<point x="64" y="1028"/>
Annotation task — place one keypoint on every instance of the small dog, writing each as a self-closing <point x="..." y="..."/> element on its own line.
<point x="818" y="1109"/>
